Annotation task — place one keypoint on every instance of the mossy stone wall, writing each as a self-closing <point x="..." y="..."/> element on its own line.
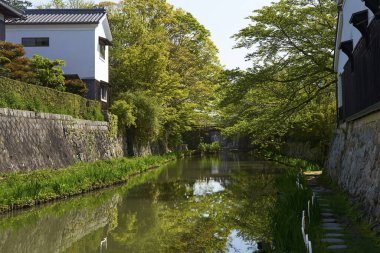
<point x="30" y="140"/>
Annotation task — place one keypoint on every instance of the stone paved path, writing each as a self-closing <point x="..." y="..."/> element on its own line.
<point x="341" y="230"/>
<point x="334" y="232"/>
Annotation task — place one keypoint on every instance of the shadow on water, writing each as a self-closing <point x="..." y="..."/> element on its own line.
<point x="204" y="204"/>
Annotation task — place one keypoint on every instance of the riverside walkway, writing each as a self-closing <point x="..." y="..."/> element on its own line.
<point x="341" y="229"/>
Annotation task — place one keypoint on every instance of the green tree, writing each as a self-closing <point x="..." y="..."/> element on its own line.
<point x="14" y="64"/>
<point x="141" y="113"/>
<point x="53" y="4"/>
<point x="75" y="4"/>
<point x="124" y="110"/>
<point x="19" y="4"/>
<point x="290" y="87"/>
<point x="71" y="4"/>
<point x="166" y="55"/>
<point x="48" y="72"/>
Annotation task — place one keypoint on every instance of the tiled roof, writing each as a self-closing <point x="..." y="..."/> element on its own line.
<point x="60" y="16"/>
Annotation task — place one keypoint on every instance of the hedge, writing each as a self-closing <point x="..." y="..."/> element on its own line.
<point x="22" y="96"/>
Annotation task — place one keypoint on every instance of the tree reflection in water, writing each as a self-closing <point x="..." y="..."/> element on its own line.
<point x="218" y="212"/>
<point x="208" y="204"/>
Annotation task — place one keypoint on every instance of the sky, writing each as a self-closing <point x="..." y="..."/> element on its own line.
<point x="223" y="18"/>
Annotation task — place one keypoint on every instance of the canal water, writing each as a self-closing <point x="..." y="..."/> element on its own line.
<point x="203" y="204"/>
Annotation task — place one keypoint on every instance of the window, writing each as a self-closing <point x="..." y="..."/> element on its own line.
<point x="102" y="50"/>
<point x="35" y="42"/>
<point x="103" y="42"/>
<point x="103" y="94"/>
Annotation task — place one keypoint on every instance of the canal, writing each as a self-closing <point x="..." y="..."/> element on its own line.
<point x="203" y="204"/>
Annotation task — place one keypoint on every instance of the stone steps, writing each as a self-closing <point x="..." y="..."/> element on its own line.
<point x="333" y="230"/>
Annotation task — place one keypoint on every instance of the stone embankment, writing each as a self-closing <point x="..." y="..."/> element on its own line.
<point x="30" y="140"/>
<point x="354" y="161"/>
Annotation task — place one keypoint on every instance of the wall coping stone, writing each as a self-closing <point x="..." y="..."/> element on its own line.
<point x="50" y="116"/>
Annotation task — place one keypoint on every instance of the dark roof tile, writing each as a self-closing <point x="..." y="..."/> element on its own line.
<point x="60" y="16"/>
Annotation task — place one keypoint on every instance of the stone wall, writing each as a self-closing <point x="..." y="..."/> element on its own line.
<point x="354" y="161"/>
<point x="30" y="140"/>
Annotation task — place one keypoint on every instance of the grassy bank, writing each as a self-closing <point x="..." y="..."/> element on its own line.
<point x="18" y="190"/>
<point x="286" y="214"/>
<point x="359" y="234"/>
<point x="90" y="201"/>
<point x="290" y="161"/>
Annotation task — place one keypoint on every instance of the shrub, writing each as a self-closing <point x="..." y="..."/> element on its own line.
<point x="76" y="86"/>
<point x="124" y="112"/>
<point x="141" y="113"/>
<point x="14" y="64"/>
<point x="37" y="70"/>
<point x="48" y="72"/>
<point x="18" y="95"/>
<point x="209" y="148"/>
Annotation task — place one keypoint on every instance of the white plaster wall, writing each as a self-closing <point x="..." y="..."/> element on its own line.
<point x="101" y="65"/>
<point x="72" y="43"/>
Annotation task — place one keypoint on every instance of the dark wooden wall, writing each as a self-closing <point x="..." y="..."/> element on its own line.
<point x="361" y="78"/>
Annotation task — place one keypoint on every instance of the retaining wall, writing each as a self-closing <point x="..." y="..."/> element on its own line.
<point x="354" y="161"/>
<point x="30" y="140"/>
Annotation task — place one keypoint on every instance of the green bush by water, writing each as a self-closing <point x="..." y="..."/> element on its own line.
<point x="27" y="189"/>
<point x="209" y="148"/>
<point x="22" y="96"/>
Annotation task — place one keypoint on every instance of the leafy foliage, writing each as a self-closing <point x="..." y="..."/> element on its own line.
<point x="140" y="113"/>
<point x="287" y="212"/>
<point x="124" y="111"/>
<point x="18" y="95"/>
<point x="162" y="57"/>
<point x="209" y="148"/>
<point x="288" y="94"/>
<point x="37" y="70"/>
<point x="48" y="72"/>
<point x="19" y="4"/>
<point x="14" y="63"/>
<point x="76" y="86"/>
<point x="71" y="4"/>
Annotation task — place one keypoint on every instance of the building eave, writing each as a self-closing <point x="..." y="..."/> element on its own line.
<point x="9" y="11"/>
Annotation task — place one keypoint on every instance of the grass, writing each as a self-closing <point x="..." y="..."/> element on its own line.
<point x="286" y="217"/>
<point x="291" y="161"/>
<point x="18" y="190"/>
<point x="91" y="201"/>
<point x="287" y="213"/>
<point x="357" y="233"/>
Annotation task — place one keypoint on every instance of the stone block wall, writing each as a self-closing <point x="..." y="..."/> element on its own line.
<point x="354" y="161"/>
<point x="30" y="140"/>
